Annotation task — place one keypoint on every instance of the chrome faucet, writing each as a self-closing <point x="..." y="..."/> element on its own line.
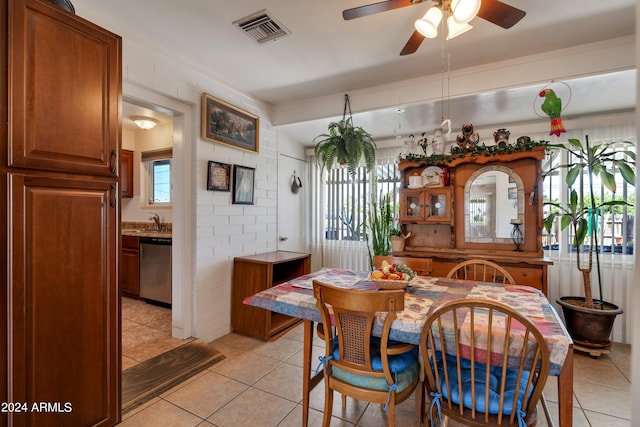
<point x="156" y="220"/>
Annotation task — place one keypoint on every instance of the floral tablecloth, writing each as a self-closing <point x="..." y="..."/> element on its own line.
<point x="423" y="295"/>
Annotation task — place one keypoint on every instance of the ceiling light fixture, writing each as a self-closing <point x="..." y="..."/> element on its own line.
<point x="428" y="24"/>
<point x="464" y="11"/>
<point x="456" y="29"/>
<point x="459" y="13"/>
<point x="144" y="123"/>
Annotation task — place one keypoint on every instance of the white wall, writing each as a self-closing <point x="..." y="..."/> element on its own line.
<point x="138" y="141"/>
<point x="220" y="229"/>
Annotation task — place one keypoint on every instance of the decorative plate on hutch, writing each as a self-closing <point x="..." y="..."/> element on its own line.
<point x="432" y="177"/>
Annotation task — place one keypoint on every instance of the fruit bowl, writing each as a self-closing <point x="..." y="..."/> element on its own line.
<point x="390" y="284"/>
<point x="392" y="276"/>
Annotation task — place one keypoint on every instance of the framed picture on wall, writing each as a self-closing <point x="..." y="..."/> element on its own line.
<point x="228" y="124"/>
<point x="243" y="185"/>
<point x="512" y="193"/>
<point x="218" y="176"/>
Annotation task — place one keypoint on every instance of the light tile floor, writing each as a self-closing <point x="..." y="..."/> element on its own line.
<point x="146" y="332"/>
<point x="260" y="384"/>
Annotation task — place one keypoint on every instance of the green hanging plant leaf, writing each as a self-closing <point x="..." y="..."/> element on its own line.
<point x="345" y="144"/>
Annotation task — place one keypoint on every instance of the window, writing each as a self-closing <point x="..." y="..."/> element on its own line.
<point x="349" y="199"/>
<point x="615" y="224"/>
<point x="157" y="169"/>
<point x="160" y="181"/>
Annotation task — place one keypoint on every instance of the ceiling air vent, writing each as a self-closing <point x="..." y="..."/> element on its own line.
<point x="261" y="27"/>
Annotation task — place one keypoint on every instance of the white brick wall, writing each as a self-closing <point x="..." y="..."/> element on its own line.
<point x="221" y="230"/>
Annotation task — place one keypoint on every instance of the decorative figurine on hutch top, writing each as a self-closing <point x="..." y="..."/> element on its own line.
<point x="469" y="139"/>
<point x="438" y="142"/>
<point x="501" y="137"/>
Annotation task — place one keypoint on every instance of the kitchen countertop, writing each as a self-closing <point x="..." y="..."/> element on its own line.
<point x="146" y="233"/>
<point x="145" y="229"/>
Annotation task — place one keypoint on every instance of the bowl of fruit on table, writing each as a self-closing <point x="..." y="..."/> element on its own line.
<point x="392" y="276"/>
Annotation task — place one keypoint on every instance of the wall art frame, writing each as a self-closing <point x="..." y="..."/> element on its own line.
<point x="218" y="176"/>
<point x="227" y="124"/>
<point x="243" y="185"/>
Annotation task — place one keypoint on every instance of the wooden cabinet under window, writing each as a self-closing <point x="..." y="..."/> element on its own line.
<point x="253" y="274"/>
<point x="126" y="173"/>
<point x="473" y="217"/>
<point x="130" y="266"/>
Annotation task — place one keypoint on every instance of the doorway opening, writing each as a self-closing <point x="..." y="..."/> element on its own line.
<point x="149" y="330"/>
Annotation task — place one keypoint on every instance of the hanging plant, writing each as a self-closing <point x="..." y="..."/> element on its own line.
<point x="345" y="144"/>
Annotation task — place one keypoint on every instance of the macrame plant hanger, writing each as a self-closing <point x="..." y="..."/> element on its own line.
<point x="347" y="104"/>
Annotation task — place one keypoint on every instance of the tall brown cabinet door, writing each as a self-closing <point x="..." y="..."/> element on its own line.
<point x="60" y="143"/>
<point x="65" y="81"/>
<point x="64" y="301"/>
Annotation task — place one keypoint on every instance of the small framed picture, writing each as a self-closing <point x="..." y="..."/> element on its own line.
<point x="218" y="176"/>
<point x="243" y="185"/>
<point x="512" y="193"/>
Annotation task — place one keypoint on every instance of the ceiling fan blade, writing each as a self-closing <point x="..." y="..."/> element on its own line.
<point x="500" y="13"/>
<point x="413" y="44"/>
<point x="370" y="9"/>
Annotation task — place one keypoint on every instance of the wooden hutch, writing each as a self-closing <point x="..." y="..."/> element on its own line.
<point x="474" y="214"/>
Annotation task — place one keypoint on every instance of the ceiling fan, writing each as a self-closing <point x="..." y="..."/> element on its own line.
<point x="458" y="13"/>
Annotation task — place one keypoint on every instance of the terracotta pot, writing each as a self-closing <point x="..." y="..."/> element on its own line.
<point x="589" y="327"/>
<point x="397" y="243"/>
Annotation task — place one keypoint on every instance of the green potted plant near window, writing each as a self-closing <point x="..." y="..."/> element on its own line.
<point x="345" y="144"/>
<point x="589" y="320"/>
<point x="380" y="223"/>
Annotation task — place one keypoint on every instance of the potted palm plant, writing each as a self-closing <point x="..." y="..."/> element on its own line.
<point x="589" y="320"/>
<point x="345" y="144"/>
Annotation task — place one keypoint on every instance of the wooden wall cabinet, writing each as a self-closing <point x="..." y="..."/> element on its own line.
<point x="427" y="205"/>
<point x="440" y="218"/>
<point x="130" y="266"/>
<point x="126" y="174"/>
<point x="253" y="274"/>
<point x="60" y="142"/>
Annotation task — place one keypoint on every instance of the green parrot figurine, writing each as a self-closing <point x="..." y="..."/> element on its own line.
<point x="552" y="107"/>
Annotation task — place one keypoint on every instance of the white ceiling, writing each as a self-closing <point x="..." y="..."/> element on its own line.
<point x="326" y="55"/>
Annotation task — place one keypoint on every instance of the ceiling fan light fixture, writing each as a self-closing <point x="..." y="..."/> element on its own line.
<point x="144" y="123"/>
<point x="456" y="29"/>
<point x="428" y="24"/>
<point x="464" y="10"/>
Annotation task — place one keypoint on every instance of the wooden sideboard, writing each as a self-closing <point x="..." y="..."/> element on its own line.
<point x="252" y="274"/>
<point x="448" y="228"/>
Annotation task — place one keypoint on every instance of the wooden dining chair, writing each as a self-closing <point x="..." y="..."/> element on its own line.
<point x="456" y="381"/>
<point x="482" y="270"/>
<point x="357" y="364"/>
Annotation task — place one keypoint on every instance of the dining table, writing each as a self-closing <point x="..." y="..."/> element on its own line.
<point x="422" y="296"/>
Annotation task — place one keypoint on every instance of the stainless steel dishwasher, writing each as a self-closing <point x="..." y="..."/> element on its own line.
<point x="155" y="269"/>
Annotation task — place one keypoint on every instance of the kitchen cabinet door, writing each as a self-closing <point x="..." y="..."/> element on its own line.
<point x="130" y="266"/>
<point x="126" y="174"/>
<point x="65" y="98"/>
<point x="64" y="300"/>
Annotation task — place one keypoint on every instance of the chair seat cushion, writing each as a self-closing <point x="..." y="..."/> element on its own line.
<point x="495" y="379"/>
<point x="405" y="367"/>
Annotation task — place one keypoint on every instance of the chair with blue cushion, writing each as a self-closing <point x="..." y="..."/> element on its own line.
<point x="357" y="364"/>
<point x="465" y="385"/>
